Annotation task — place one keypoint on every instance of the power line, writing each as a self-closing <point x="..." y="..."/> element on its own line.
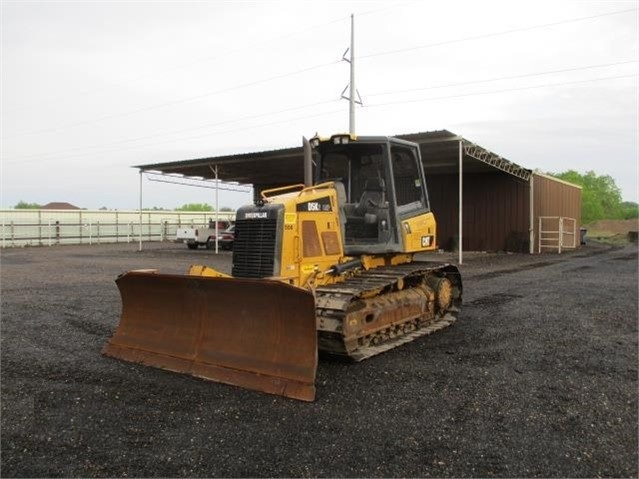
<point x="304" y="70"/>
<point x="206" y="59"/>
<point x="173" y="132"/>
<point x="494" y="34"/>
<point x="179" y="66"/>
<point x="511" y="77"/>
<point x="174" y="140"/>
<point x="505" y="90"/>
<point x="286" y="110"/>
<point x="175" y="102"/>
<point x="374" y="105"/>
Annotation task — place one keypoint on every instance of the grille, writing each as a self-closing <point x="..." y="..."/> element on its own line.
<point x="254" y="248"/>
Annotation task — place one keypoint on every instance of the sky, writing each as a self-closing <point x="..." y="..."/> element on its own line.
<point x="90" y="89"/>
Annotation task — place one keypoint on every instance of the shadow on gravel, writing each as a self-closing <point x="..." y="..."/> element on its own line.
<point x="502" y="272"/>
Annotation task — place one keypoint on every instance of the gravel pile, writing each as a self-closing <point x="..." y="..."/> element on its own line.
<point x="537" y="378"/>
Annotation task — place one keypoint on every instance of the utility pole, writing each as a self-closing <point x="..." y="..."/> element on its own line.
<point x="351" y="86"/>
<point x="351" y="106"/>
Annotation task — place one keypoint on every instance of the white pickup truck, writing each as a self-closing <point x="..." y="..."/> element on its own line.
<point x="201" y="235"/>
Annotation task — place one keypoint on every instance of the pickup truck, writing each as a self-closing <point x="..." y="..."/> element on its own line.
<point x="201" y="235"/>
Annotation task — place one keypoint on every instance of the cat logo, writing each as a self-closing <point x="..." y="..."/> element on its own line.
<point x="426" y="241"/>
<point x="256" y="215"/>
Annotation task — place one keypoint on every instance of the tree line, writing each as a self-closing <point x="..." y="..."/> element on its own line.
<point x="600" y="197"/>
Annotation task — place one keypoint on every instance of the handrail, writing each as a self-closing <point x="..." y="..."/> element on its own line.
<point x="263" y="193"/>
<point x="327" y="184"/>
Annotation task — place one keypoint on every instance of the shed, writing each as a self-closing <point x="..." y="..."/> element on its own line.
<point x="501" y="202"/>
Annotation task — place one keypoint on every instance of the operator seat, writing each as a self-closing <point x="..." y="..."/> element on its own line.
<point x="363" y="223"/>
<point x="373" y="197"/>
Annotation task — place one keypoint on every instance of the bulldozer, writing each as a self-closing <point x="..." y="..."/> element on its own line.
<point x="326" y="266"/>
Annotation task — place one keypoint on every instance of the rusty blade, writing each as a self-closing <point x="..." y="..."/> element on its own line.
<point x="257" y="334"/>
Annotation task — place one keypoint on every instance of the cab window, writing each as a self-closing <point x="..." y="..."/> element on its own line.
<point x="409" y="191"/>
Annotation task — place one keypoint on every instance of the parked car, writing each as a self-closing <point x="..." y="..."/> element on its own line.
<point x="225" y="238"/>
<point x="201" y="236"/>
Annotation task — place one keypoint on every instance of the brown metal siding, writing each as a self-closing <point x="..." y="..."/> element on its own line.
<point x="496" y="208"/>
<point x="555" y="198"/>
<point x="495" y="211"/>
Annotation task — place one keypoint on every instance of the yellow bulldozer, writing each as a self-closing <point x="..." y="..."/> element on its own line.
<point x="323" y="266"/>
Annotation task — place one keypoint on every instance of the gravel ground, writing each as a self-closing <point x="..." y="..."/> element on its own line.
<point x="537" y="378"/>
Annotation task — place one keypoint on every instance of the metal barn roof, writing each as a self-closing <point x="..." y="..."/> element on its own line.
<point x="440" y="154"/>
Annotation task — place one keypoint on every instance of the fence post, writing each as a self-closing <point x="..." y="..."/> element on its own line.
<point x="80" y="225"/>
<point x="117" y="230"/>
<point x="539" y="238"/>
<point x="98" y="228"/>
<point x="39" y="227"/>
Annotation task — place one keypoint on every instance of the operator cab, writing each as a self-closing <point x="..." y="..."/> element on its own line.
<point x="380" y="183"/>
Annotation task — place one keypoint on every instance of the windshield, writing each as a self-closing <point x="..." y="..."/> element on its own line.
<point x="354" y="165"/>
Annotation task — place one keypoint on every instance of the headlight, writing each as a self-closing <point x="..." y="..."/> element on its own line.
<point x="341" y="139"/>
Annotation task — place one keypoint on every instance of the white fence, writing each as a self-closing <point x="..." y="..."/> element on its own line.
<point x="557" y="233"/>
<point x="54" y="227"/>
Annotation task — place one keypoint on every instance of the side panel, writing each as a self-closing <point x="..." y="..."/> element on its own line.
<point x="312" y="234"/>
<point x="553" y="197"/>
<point x="419" y="233"/>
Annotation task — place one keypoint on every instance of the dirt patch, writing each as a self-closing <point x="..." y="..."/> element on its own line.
<point x="612" y="227"/>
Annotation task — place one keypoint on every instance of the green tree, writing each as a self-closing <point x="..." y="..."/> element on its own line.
<point x="195" y="207"/>
<point x="629" y="210"/>
<point x="600" y="196"/>
<point x="23" y="205"/>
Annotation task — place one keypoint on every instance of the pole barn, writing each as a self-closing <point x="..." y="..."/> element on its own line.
<point x="482" y="201"/>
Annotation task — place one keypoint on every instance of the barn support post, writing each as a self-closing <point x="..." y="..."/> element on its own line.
<point x="140" y="213"/>
<point x="461" y="201"/>
<point x="217" y="208"/>
<point x="531" y="226"/>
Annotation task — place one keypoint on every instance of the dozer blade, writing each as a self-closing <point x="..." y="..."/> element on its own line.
<point x="257" y="334"/>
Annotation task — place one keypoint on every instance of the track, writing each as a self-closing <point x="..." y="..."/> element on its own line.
<point x="379" y="309"/>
